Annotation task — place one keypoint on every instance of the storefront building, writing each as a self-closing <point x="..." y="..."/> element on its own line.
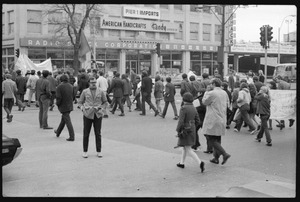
<point x="123" y="37"/>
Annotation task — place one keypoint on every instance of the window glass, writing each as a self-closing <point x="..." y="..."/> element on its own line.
<point x="195" y="55"/>
<point x="37" y="53"/>
<point x="3" y="51"/>
<point x="11" y="16"/>
<point x="112" y="54"/>
<point x="57" y="64"/>
<point x="34" y="16"/>
<point x="179" y="35"/>
<point x="164" y="36"/>
<point x="206" y="32"/>
<point x="10" y="51"/>
<point x="150" y="35"/>
<point x="206" y="56"/>
<point x="115" y="33"/>
<point x="100" y="54"/>
<point x="218" y="32"/>
<point x="166" y="55"/>
<point x="55" y="53"/>
<point x="193" y="7"/>
<point x="176" y="56"/>
<point x="130" y="33"/>
<point x="194" y="31"/>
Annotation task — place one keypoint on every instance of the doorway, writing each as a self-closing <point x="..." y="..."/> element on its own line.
<point x="131" y="65"/>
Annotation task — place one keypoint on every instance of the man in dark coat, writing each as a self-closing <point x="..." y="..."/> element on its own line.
<point x="169" y="97"/>
<point x="64" y="102"/>
<point x="21" y="86"/>
<point x="53" y="85"/>
<point x="43" y="95"/>
<point x="146" y="90"/>
<point x="117" y="89"/>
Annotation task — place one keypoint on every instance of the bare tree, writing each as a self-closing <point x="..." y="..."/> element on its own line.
<point x="68" y="21"/>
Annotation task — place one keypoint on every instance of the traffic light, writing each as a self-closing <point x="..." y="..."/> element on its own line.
<point x="263" y="37"/>
<point x="17" y="53"/>
<point x="269" y="33"/>
<point x="158" y="49"/>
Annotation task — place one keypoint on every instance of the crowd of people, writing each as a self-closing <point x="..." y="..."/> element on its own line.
<point x="245" y="102"/>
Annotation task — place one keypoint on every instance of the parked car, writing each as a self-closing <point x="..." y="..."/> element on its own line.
<point x="11" y="148"/>
<point x="287" y="71"/>
<point x="239" y="74"/>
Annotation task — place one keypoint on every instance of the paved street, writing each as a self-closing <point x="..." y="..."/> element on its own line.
<point x="139" y="160"/>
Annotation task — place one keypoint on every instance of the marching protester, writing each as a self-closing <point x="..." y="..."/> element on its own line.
<point x="146" y="90"/>
<point x="263" y="109"/>
<point x="137" y="93"/>
<point x="53" y="85"/>
<point x="186" y="130"/>
<point x="91" y="102"/>
<point x="169" y="94"/>
<point x="127" y="91"/>
<point x="216" y="101"/>
<point x="102" y="84"/>
<point x="9" y="90"/>
<point x="64" y="101"/>
<point x="158" y="92"/>
<point x="43" y="95"/>
<point x="185" y="86"/>
<point x="21" y="86"/>
<point x="31" y="82"/>
<point x="117" y="89"/>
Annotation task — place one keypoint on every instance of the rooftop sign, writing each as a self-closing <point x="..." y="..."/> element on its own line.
<point x="134" y="12"/>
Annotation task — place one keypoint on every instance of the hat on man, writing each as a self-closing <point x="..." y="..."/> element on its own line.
<point x="93" y="80"/>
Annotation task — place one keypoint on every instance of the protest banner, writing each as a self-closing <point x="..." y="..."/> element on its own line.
<point x="283" y="104"/>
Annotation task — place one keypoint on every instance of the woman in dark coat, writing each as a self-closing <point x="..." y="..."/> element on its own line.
<point x="186" y="129"/>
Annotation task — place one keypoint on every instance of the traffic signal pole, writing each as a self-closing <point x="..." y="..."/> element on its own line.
<point x="266" y="52"/>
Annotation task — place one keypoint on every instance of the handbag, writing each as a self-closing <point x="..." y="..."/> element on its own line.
<point x="196" y="102"/>
<point x="186" y="130"/>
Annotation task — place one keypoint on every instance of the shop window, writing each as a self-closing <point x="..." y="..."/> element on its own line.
<point x="69" y="54"/>
<point x="10" y="51"/>
<point x="164" y="36"/>
<point x="206" y="56"/>
<point x="196" y="67"/>
<point x="179" y="35"/>
<point x="11" y="20"/>
<point x="194" y="31"/>
<point x="100" y="54"/>
<point x="166" y="55"/>
<point x="178" y="7"/>
<point x="176" y="56"/>
<point x="37" y="53"/>
<point x="130" y="33"/>
<point x="55" y="53"/>
<point x="218" y="32"/>
<point x="34" y="21"/>
<point x="112" y="54"/>
<point x="206" y="32"/>
<point x="207" y="67"/>
<point x="57" y="64"/>
<point x="114" y="33"/>
<point x="54" y="21"/>
<point x="164" y="6"/>
<point x="195" y="56"/>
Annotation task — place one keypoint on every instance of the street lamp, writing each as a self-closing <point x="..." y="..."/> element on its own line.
<point x="223" y="22"/>
<point x="279" y="36"/>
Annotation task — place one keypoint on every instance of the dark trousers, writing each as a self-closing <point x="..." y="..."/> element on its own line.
<point x="138" y="101"/>
<point x="229" y="120"/>
<point x="215" y="142"/>
<point x="166" y="108"/>
<point x="43" y="112"/>
<point x="66" y="120"/>
<point x="146" y="97"/>
<point x="87" y="125"/>
<point x="246" y="119"/>
<point x="118" y="101"/>
<point x="208" y="143"/>
<point x="53" y="96"/>
<point x="197" y="142"/>
<point x="264" y="128"/>
<point x="20" y="100"/>
<point x="8" y="105"/>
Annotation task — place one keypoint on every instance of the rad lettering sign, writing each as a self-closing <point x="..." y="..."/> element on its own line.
<point x="283" y="104"/>
<point x="138" y="25"/>
<point x="147" y="13"/>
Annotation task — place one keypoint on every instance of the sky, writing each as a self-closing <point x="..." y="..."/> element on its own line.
<point x="250" y="19"/>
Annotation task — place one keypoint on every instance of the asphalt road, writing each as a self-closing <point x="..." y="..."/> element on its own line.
<point x="139" y="159"/>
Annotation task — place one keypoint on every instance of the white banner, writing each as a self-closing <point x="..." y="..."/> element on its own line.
<point x="24" y="64"/>
<point x="283" y="104"/>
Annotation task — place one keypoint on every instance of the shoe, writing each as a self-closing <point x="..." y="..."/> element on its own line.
<point x="55" y="131"/>
<point x="23" y="108"/>
<point x="196" y="149"/>
<point x="291" y="122"/>
<point x="270" y="128"/>
<point x="176" y="118"/>
<point x="225" y="158"/>
<point x="37" y="105"/>
<point x="202" y="166"/>
<point x="156" y="113"/>
<point x="215" y="161"/>
<point x="245" y="125"/>
<point x="129" y="110"/>
<point x="105" y="116"/>
<point x="269" y="144"/>
<point x="282" y="126"/>
<point x="142" y="114"/>
<point x="9" y="119"/>
<point x="70" y="139"/>
<point x="227" y="127"/>
<point x="19" y="109"/>
<point x="235" y="130"/>
<point x="122" y="114"/>
<point x="258" y="139"/>
<point x="84" y="155"/>
<point x="28" y="105"/>
<point x="180" y="165"/>
<point x="99" y="154"/>
<point x="208" y="152"/>
<point x="112" y="112"/>
<point x="47" y="128"/>
<point x="162" y="116"/>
